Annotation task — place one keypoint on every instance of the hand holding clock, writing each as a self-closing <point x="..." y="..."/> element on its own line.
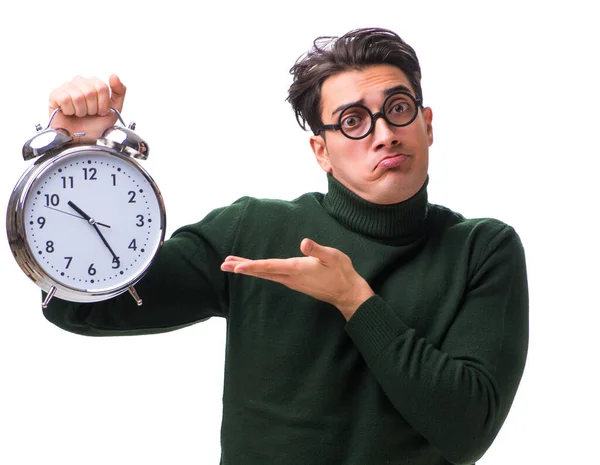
<point x="85" y="105"/>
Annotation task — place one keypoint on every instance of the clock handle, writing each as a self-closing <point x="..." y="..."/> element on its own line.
<point x="39" y="128"/>
<point x="115" y="111"/>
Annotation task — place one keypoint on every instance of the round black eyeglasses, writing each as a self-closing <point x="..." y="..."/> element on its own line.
<point x="357" y="122"/>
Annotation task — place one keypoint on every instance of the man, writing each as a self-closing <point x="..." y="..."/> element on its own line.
<point x="397" y="336"/>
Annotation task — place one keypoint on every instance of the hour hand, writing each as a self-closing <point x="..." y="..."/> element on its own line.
<point x="95" y="225"/>
<point x="81" y="212"/>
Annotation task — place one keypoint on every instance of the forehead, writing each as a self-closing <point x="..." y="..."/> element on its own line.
<point x="368" y="85"/>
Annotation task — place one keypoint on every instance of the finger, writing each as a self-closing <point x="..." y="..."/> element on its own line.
<point x="320" y="252"/>
<point x="231" y="262"/>
<point x="78" y="98"/>
<point x="278" y="278"/>
<point x="271" y="266"/>
<point x="118" y="90"/>
<point x="235" y="257"/>
<point x="103" y="96"/>
<point x="235" y="260"/>
<point x="89" y="91"/>
<point x="60" y="98"/>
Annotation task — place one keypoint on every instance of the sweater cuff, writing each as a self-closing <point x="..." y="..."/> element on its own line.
<point x="373" y="326"/>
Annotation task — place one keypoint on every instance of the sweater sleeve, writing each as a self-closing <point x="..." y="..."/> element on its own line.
<point x="456" y="395"/>
<point x="184" y="285"/>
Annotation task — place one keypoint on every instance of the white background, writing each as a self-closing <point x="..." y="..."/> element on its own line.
<point x="514" y="91"/>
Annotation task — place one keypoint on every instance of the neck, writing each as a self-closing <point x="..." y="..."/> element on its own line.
<point x="399" y="222"/>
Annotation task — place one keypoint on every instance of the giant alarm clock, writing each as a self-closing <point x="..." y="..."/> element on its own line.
<point x="84" y="222"/>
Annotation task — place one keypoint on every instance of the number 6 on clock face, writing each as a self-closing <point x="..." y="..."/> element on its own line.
<point x="87" y="222"/>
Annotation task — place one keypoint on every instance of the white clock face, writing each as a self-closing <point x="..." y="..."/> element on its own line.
<point x="93" y="221"/>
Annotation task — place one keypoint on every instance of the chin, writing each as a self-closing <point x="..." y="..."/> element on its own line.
<point x="399" y="189"/>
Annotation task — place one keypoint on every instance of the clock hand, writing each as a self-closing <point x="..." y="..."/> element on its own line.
<point x="95" y="225"/>
<point x="76" y="216"/>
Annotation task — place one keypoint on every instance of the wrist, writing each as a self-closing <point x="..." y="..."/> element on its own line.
<point x="355" y="299"/>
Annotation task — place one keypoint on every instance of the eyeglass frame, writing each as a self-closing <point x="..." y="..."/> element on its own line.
<point x="380" y="114"/>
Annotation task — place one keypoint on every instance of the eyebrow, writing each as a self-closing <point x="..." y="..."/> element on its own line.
<point x="400" y="88"/>
<point x="386" y="93"/>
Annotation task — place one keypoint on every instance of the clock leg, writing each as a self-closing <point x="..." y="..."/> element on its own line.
<point x="49" y="296"/>
<point x="135" y="295"/>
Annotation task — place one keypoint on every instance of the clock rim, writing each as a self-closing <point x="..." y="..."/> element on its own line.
<point x="17" y="236"/>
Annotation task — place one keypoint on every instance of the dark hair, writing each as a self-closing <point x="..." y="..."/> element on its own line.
<point x="356" y="49"/>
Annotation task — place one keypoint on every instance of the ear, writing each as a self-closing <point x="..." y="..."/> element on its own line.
<point x="427" y="119"/>
<point x="319" y="147"/>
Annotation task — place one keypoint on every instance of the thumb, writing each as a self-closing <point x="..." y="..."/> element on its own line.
<point x="311" y="248"/>
<point x="117" y="92"/>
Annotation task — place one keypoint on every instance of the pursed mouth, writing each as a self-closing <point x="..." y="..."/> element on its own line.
<point x="396" y="155"/>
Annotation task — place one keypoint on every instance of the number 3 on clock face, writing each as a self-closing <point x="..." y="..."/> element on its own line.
<point x="93" y="221"/>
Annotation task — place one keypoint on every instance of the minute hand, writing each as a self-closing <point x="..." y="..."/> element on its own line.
<point x="94" y="224"/>
<point x="76" y="216"/>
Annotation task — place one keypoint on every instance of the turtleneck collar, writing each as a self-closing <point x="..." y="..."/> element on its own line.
<point x="401" y="222"/>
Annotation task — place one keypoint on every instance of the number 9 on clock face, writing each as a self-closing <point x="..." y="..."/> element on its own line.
<point x="92" y="222"/>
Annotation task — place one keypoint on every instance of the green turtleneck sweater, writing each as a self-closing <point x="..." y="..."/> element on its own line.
<point x="424" y="372"/>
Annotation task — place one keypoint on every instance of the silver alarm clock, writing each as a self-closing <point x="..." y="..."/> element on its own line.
<point x="84" y="222"/>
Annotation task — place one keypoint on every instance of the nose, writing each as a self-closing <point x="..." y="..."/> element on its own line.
<point x="383" y="133"/>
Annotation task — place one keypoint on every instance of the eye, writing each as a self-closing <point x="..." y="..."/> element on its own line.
<point x="351" y="121"/>
<point x="400" y="107"/>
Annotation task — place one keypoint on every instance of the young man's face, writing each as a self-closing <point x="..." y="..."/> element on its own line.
<point x="390" y="164"/>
